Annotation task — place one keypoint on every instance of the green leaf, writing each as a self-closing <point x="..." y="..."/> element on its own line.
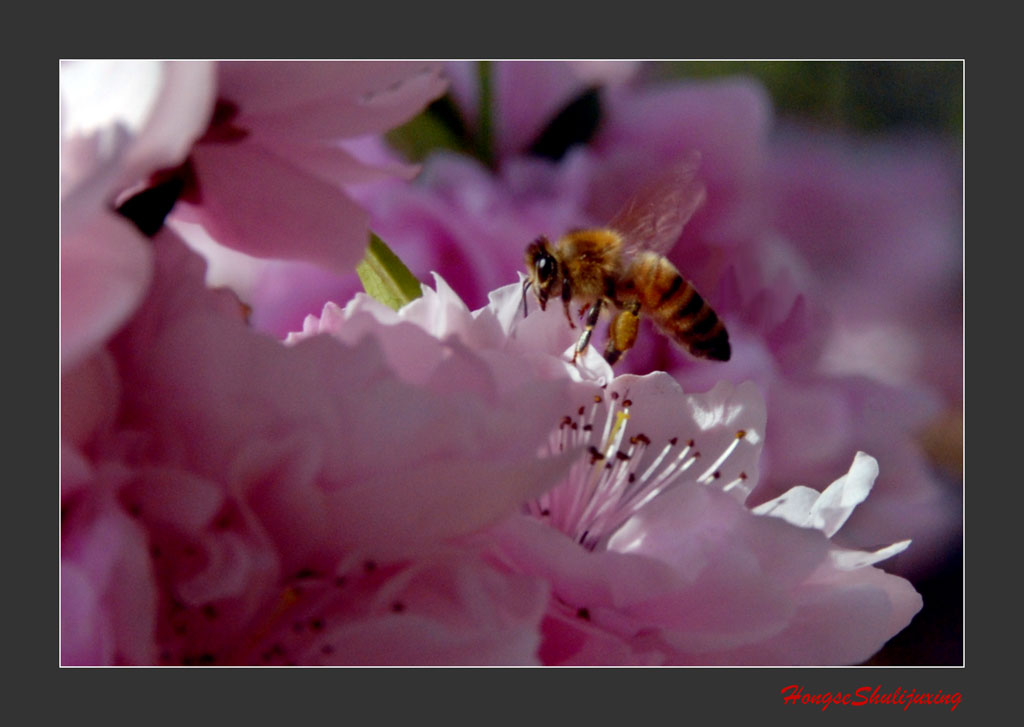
<point x="385" y="277"/>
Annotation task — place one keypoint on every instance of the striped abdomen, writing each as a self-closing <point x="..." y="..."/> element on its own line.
<point x="676" y="307"/>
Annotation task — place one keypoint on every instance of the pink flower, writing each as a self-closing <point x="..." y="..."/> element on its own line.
<point x="220" y="488"/>
<point x="441" y="485"/>
<point x="653" y="559"/>
<point x="120" y="121"/>
<point x="351" y="497"/>
<point x="647" y="528"/>
<point x="269" y="173"/>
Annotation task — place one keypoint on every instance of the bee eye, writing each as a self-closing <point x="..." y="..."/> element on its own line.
<point x="545" y="268"/>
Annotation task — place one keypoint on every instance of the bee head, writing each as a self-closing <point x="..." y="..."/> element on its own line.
<point x="543" y="271"/>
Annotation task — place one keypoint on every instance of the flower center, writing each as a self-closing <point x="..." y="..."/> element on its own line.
<point x="619" y="473"/>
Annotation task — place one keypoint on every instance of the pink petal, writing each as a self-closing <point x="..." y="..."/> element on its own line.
<point x="327" y="100"/>
<point x="110" y="590"/>
<point x="90" y="394"/>
<point x="179" y="116"/>
<point x="447" y="609"/>
<point x="336" y="165"/>
<point x="743" y="565"/>
<point x="85" y="635"/>
<point x="75" y="471"/>
<point x="841" y="619"/>
<point x="286" y="292"/>
<point x="413" y="469"/>
<point x="577" y="576"/>
<point x="569" y="640"/>
<point x="263" y="205"/>
<point x="215" y="565"/>
<point x="105" y="269"/>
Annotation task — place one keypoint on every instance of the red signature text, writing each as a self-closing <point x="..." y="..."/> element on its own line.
<point x="794" y="694"/>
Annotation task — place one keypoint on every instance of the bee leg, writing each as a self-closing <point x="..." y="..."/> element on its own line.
<point x="588" y="328"/>
<point x="622" y="332"/>
<point x="566" y="298"/>
<point x="568" y="316"/>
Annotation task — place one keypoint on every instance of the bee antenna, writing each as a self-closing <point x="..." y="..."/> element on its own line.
<point x="526" y="286"/>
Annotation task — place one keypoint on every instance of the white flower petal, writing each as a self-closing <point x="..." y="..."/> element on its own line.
<point x="793" y="506"/>
<point x="854" y="559"/>
<point x="839" y="499"/>
<point x="828" y="510"/>
<point x="101" y="95"/>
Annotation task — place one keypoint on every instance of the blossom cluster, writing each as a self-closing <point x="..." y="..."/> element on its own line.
<point x="248" y="480"/>
<point x="833" y="260"/>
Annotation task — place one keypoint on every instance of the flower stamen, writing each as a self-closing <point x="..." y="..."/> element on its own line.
<point x="712" y="471"/>
<point x="614" y="478"/>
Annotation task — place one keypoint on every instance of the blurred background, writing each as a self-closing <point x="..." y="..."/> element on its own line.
<point x="869" y="96"/>
<point x="883" y="98"/>
<point x="879" y="99"/>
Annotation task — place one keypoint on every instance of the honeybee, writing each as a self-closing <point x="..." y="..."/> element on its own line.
<point x="622" y="266"/>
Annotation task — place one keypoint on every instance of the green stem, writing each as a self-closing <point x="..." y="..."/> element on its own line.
<point x="484" y="135"/>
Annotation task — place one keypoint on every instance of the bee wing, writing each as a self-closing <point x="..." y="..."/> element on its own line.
<point x="654" y="217"/>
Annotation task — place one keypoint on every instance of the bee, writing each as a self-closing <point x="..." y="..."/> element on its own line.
<point x="623" y="267"/>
